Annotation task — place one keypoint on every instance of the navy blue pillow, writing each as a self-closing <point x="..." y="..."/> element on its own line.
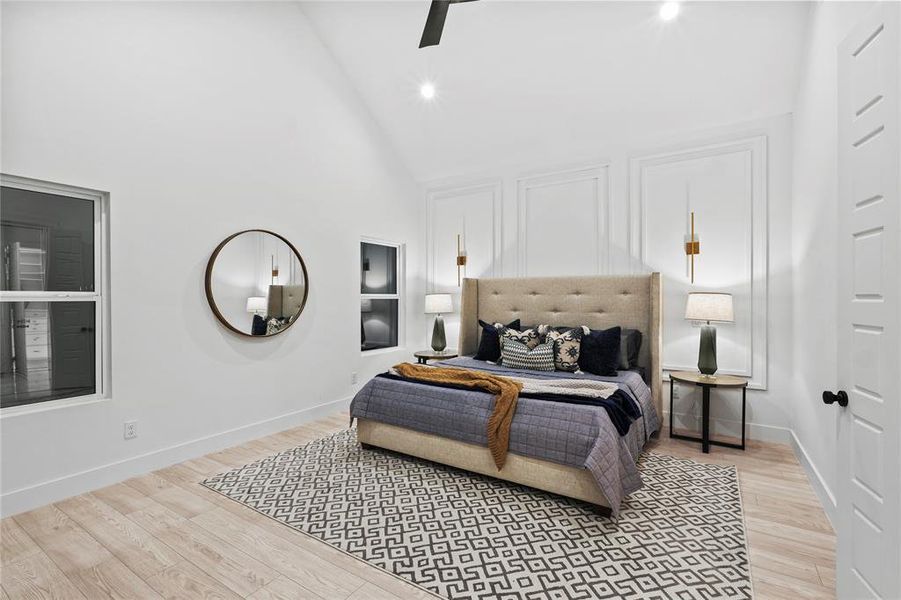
<point x="599" y="353"/>
<point x="490" y="341"/>
<point x="258" y="326"/>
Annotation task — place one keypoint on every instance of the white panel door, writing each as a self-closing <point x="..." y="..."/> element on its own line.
<point x="869" y="345"/>
<point x="562" y="221"/>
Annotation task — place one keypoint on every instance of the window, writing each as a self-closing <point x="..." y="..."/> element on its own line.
<point x="380" y="295"/>
<point x="52" y="292"/>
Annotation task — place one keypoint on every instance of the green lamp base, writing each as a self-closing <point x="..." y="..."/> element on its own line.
<point x="439" y="341"/>
<point x="707" y="350"/>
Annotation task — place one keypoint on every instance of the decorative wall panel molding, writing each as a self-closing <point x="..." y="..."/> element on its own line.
<point x="726" y="186"/>
<point x="563" y="222"/>
<point x="471" y="210"/>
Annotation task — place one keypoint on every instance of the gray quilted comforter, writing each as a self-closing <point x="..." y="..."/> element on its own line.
<point x="569" y="434"/>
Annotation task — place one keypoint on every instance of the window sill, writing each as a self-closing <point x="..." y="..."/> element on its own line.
<point x="380" y="351"/>
<point x="39" y="407"/>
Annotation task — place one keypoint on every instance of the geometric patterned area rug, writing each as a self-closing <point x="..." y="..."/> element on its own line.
<point x="462" y="535"/>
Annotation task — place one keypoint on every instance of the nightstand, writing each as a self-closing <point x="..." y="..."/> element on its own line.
<point x="706" y="382"/>
<point x="424" y="356"/>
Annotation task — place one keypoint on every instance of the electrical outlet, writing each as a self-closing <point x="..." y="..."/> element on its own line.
<point x="131" y="430"/>
<point x="353" y="378"/>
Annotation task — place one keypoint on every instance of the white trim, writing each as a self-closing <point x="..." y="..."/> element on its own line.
<point x="388" y="350"/>
<point x="591" y="172"/>
<point x="54" y="490"/>
<point x="100" y="295"/>
<point x="755" y="148"/>
<point x="819" y="485"/>
<point x="38" y="407"/>
<point x="452" y="190"/>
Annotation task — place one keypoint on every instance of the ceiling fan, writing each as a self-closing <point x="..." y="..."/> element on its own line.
<point x="434" y="23"/>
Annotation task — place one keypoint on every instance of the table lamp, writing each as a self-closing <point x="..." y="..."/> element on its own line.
<point x="437" y="304"/>
<point x="708" y="306"/>
<point x="257" y="305"/>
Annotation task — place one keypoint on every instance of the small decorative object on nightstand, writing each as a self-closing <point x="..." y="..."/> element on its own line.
<point x="437" y="304"/>
<point x="424" y="356"/>
<point x="708" y="306"/>
<point x="705" y="382"/>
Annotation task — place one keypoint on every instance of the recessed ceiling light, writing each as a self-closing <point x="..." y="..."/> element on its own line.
<point x="427" y="90"/>
<point x="669" y="11"/>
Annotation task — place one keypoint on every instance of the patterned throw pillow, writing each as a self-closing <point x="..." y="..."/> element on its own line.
<point x="530" y="337"/>
<point x="517" y="355"/>
<point x="566" y="347"/>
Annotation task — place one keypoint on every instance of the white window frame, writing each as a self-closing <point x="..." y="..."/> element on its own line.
<point x="100" y="296"/>
<point x="399" y="296"/>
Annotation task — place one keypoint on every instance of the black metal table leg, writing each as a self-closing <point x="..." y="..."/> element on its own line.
<point x="705" y="436"/>
<point x="744" y="393"/>
<point x="672" y="384"/>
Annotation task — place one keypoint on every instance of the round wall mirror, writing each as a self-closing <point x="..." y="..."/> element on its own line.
<point x="256" y="283"/>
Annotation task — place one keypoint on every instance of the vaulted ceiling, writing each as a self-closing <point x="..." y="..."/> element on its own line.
<point x="520" y="82"/>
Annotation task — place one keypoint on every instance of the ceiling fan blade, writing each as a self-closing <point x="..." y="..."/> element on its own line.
<point x="434" y="24"/>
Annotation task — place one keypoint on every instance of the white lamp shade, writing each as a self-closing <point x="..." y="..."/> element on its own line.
<point x="256" y="304"/>
<point x="709" y="306"/>
<point x="438" y="303"/>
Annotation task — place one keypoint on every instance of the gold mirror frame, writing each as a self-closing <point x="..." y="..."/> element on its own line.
<point x="208" y="283"/>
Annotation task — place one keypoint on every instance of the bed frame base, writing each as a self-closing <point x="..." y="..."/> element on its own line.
<point x="572" y="482"/>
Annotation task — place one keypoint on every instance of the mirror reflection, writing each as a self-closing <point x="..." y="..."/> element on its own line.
<point x="256" y="283"/>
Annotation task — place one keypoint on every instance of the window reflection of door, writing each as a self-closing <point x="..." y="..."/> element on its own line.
<point x="50" y="300"/>
<point x="72" y="341"/>
<point x="65" y="270"/>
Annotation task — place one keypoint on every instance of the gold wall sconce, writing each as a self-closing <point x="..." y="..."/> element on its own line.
<point x="461" y="260"/>
<point x="692" y="246"/>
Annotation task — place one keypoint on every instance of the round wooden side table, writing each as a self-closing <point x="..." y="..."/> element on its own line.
<point x="706" y="382"/>
<point x="424" y="356"/>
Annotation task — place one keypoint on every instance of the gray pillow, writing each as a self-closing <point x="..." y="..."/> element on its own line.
<point x="629" y="347"/>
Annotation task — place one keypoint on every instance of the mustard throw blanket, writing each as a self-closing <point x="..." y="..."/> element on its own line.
<point x="506" y="393"/>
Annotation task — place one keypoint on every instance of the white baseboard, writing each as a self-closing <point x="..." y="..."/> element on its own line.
<point x="753" y="431"/>
<point x="47" y="492"/>
<point x="827" y="498"/>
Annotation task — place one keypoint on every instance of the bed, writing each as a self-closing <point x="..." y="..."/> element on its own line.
<point x="567" y="449"/>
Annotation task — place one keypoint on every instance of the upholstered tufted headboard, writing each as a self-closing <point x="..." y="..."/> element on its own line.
<point x="631" y="301"/>
<point x="286" y="300"/>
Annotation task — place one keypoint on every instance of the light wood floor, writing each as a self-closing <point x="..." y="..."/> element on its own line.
<point x="164" y="535"/>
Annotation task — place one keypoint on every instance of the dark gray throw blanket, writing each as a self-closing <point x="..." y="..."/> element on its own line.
<point x="620" y="406"/>
<point x="580" y="435"/>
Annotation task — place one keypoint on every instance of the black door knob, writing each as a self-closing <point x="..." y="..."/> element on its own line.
<point x="841" y="397"/>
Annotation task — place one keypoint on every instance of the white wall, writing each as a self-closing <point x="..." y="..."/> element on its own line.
<point x="585" y="219"/>
<point x="199" y="120"/>
<point x="814" y="230"/>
